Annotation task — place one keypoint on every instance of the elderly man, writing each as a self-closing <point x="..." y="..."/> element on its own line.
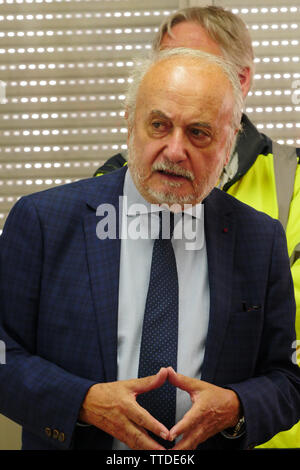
<point x="115" y="339"/>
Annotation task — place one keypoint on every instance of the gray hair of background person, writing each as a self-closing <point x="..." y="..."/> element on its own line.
<point x="202" y="59"/>
<point x="224" y="27"/>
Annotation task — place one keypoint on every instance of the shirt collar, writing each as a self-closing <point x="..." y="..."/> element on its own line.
<point x="137" y="206"/>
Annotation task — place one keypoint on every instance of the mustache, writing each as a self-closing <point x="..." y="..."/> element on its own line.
<point x="173" y="169"/>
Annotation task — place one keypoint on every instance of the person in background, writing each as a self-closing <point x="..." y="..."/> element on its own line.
<point x="260" y="172"/>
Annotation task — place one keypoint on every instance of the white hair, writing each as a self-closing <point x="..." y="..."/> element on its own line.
<point x="142" y="67"/>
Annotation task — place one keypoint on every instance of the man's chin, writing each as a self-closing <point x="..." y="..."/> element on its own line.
<point x="158" y="192"/>
<point x="170" y="197"/>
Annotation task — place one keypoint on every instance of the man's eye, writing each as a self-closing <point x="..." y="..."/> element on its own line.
<point x="198" y="133"/>
<point x="158" y="125"/>
<point x="200" y="137"/>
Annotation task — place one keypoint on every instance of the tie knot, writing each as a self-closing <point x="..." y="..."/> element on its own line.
<point x="166" y="225"/>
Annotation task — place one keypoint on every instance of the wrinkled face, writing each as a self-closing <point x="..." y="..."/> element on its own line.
<point x="182" y="133"/>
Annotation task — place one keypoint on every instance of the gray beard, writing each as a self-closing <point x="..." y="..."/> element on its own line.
<point x="168" y="196"/>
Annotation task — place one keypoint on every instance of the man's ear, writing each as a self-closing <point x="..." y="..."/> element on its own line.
<point x="227" y="159"/>
<point x="231" y="147"/>
<point x="126" y="117"/>
<point x="245" y="80"/>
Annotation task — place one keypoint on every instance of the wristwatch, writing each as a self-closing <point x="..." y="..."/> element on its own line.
<point x="237" y="431"/>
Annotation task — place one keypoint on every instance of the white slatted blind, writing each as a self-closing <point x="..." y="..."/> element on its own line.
<point x="65" y="66"/>
<point x="274" y="101"/>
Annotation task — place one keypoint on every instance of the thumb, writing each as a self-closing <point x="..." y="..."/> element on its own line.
<point x="183" y="382"/>
<point x="151" y="382"/>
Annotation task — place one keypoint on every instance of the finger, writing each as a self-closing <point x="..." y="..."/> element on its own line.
<point x="151" y="382"/>
<point x="188" y="442"/>
<point x="148" y="443"/>
<point x="189" y="421"/>
<point x="191" y="430"/>
<point x="140" y="440"/>
<point x="182" y="381"/>
<point x="144" y="419"/>
<point x="136" y="438"/>
<point x="195" y="436"/>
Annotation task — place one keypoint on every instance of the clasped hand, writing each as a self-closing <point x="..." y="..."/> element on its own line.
<point x="113" y="408"/>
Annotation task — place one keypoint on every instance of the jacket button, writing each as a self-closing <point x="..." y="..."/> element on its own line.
<point x="48" y="432"/>
<point x="55" y="434"/>
<point x="61" y="437"/>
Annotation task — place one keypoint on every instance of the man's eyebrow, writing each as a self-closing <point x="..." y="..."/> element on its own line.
<point x="158" y="113"/>
<point x="201" y="124"/>
<point x="161" y="114"/>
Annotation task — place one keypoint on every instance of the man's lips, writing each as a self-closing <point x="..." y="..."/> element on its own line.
<point x="172" y="171"/>
<point x="171" y="175"/>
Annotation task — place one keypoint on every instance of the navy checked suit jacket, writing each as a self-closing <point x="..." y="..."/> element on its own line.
<point x="59" y="304"/>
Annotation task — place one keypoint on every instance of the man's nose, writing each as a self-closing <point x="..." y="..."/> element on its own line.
<point x="175" y="149"/>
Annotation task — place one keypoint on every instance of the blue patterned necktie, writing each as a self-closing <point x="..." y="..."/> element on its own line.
<point x="160" y="327"/>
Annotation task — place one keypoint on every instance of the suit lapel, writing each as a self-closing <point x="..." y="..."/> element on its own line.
<point x="103" y="263"/>
<point x="220" y="240"/>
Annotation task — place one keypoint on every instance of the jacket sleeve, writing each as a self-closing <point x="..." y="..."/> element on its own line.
<point x="39" y="395"/>
<point x="277" y="378"/>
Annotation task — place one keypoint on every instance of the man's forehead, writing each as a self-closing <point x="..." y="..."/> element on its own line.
<point x="182" y="71"/>
<point x="183" y="82"/>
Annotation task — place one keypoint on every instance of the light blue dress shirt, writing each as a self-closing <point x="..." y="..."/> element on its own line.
<point x="135" y="263"/>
